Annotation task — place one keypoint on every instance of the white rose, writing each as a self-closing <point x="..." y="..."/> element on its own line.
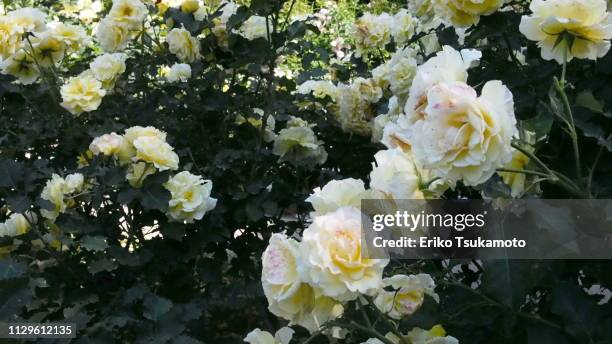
<point x="179" y="72"/>
<point x="447" y="66"/>
<point x="396" y="174"/>
<point x="153" y="150"/>
<point x="299" y="144"/>
<point x="74" y="37"/>
<point x="107" y="144"/>
<point x="257" y="336"/>
<point x="183" y="45"/>
<point x="254" y="27"/>
<point x="462" y="136"/>
<point x="130" y="12"/>
<point x="405" y="295"/>
<point x="372" y="32"/>
<point x="318" y="88"/>
<point x="332" y="259"/>
<point x="17" y="224"/>
<point x="82" y="93"/>
<point x="586" y="21"/>
<point x="190" y="197"/>
<point x="107" y="67"/>
<point x="337" y="194"/>
<point x="112" y="35"/>
<point x="27" y="19"/>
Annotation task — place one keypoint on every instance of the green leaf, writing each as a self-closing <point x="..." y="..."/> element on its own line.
<point x="10" y="269"/>
<point x="94" y="243"/>
<point x="103" y="264"/>
<point x="155" y="307"/>
<point x="10" y="173"/>
<point x="506" y="281"/>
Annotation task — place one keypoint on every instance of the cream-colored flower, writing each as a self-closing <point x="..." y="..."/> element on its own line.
<point x="190" y="197"/>
<point x="48" y="49"/>
<point x="183" y="45"/>
<point x="128" y="151"/>
<point x="399" y="71"/>
<point x="288" y="296"/>
<point x="82" y="93"/>
<point x="465" y="13"/>
<point x="138" y="172"/>
<point x="179" y="72"/>
<point x="372" y="32"/>
<point x="405" y="294"/>
<point x="462" y="136"/>
<point x="10" y="40"/>
<point x="156" y="151"/>
<point x="515" y="180"/>
<point x="404" y="25"/>
<point x="435" y="335"/>
<point x="84" y="10"/>
<point x="107" y="144"/>
<point x="254" y="27"/>
<point x="337" y="194"/>
<point x="354" y="108"/>
<point x="74" y="37"/>
<point x="17" y="224"/>
<point x="106" y="68"/>
<point x="130" y="12"/>
<point x="447" y="66"/>
<point x="190" y="6"/>
<point x="112" y="35"/>
<point x="56" y="191"/>
<point x="331" y="256"/>
<point x="565" y="29"/>
<point x="257" y="336"/>
<point x="220" y="23"/>
<point x="27" y="19"/>
<point x="397" y="175"/>
<point x="299" y="145"/>
<point x="318" y="88"/>
<point x="22" y="66"/>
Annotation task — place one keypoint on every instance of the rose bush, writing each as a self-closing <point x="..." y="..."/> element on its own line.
<point x="180" y="171"/>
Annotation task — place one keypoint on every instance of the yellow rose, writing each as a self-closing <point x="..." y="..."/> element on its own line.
<point x="155" y="151"/>
<point x="405" y="294"/>
<point x="130" y="12"/>
<point x="48" y="49"/>
<point x="74" y="37"/>
<point x="56" y="190"/>
<point x="106" y="68"/>
<point x="82" y="93"/>
<point x="17" y="224"/>
<point x="112" y="35"/>
<point x="10" y="41"/>
<point x="22" y="66"/>
<point x="27" y="19"/>
<point x="190" y="197"/>
<point x="288" y="296"/>
<point x="107" y="144"/>
<point x="257" y="336"/>
<point x="462" y="136"/>
<point x="183" y="45"/>
<point x="190" y="6"/>
<point x="331" y="256"/>
<point x="516" y="181"/>
<point x="337" y="194"/>
<point x="465" y="13"/>
<point x="565" y="29"/>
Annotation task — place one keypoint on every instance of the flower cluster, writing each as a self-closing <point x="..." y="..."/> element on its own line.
<point x="60" y="192"/>
<point x="373" y="32"/>
<point x="124" y="19"/>
<point x="28" y="43"/>
<point x="84" y="93"/>
<point x="144" y="151"/>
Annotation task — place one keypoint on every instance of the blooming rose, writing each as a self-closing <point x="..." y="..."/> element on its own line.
<point x="403" y="27"/>
<point x="107" y="67"/>
<point x="190" y="197"/>
<point x="129" y="12"/>
<point x="331" y="256"/>
<point x="299" y="144"/>
<point x="128" y="151"/>
<point x="27" y="19"/>
<point x="22" y="66"/>
<point x="112" y="35"/>
<point x="107" y="144"/>
<point x="10" y="40"/>
<point x="337" y="194"/>
<point x="155" y="151"/>
<point x="17" y="224"/>
<point x="84" y="10"/>
<point x="465" y="13"/>
<point x="56" y="190"/>
<point x="254" y="27"/>
<point x="318" y="88"/>
<point x="288" y="296"/>
<point x="48" y="49"/>
<point x="565" y="29"/>
<point x="516" y="181"/>
<point x="463" y="136"/>
<point x="82" y="93"/>
<point x="74" y="37"/>
<point x="406" y="294"/>
<point x="372" y="32"/>
<point x="179" y="72"/>
<point x="183" y="45"/>
<point x="447" y="66"/>
<point x="257" y="336"/>
<point x="397" y="175"/>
